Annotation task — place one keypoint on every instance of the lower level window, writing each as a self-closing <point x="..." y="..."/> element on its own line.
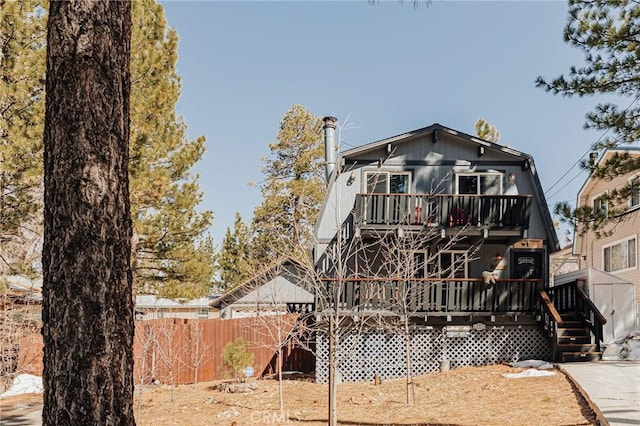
<point x="619" y="256"/>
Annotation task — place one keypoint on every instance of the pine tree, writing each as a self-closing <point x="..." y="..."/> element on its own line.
<point x="168" y="250"/>
<point x="293" y="188"/>
<point x="234" y="259"/>
<point x="22" y="68"/>
<point x="486" y="131"/>
<point x="87" y="308"/>
<point x="608" y="35"/>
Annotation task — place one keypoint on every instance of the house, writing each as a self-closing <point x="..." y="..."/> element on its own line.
<point x="613" y="249"/>
<point x="281" y="288"/>
<point x="443" y="228"/>
<point x="21" y="289"/>
<point x="150" y="306"/>
<point x="562" y="262"/>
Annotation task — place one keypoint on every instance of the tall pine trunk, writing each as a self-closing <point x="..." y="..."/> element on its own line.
<point x="87" y="299"/>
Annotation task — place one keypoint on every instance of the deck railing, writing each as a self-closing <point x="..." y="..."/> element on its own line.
<point x="431" y="296"/>
<point x="490" y="211"/>
<point x="569" y="297"/>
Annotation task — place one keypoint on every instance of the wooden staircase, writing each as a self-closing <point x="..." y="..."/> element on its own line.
<point x="573" y="341"/>
<point x="572" y="323"/>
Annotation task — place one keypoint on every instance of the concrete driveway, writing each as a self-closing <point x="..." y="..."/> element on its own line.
<point x="612" y="388"/>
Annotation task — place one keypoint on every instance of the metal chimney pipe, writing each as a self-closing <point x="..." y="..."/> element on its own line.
<point x="329" y="129"/>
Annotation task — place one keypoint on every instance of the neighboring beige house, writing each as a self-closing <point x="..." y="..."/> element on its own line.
<point x="616" y="251"/>
<point x="562" y="262"/>
<point x="149" y="307"/>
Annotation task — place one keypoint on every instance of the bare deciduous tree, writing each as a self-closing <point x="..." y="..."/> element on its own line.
<point x="274" y="327"/>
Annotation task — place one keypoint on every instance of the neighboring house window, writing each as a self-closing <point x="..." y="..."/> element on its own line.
<point x="487" y="183"/>
<point x="388" y="182"/>
<point x="634" y="201"/>
<point x="600" y="206"/>
<point x="619" y="256"/>
<point x="203" y="313"/>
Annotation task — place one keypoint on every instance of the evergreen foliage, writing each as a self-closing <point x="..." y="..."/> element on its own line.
<point x="293" y="188"/>
<point x="171" y="257"/>
<point x="235" y="358"/>
<point x="171" y="254"/>
<point x="608" y="35"/>
<point x="486" y="131"/>
<point x="22" y="70"/>
<point x="234" y="259"/>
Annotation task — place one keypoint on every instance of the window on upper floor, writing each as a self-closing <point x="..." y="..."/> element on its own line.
<point x="203" y="313"/>
<point x="388" y="182"/>
<point x="620" y="256"/>
<point x="600" y="206"/>
<point x="480" y="183"/>
<point x="634" y="200"/>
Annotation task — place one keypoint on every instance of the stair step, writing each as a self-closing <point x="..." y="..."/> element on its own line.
<point x="576" y="347"/>
<point x="580" y="356"/>
<point x="580" y="331"/>
<point x="571" y="324"/>
<point x="581" y="339"/>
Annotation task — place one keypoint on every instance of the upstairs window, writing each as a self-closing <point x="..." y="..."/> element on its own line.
<point x="620" y="256"/>
<point x="388" y="182"/>
<point x="480" y="183"/>
<point x="600" y="206"/>
<point x="634" y="200"/>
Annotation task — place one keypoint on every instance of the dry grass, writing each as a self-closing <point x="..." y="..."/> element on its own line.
<point x="466" y="396"/>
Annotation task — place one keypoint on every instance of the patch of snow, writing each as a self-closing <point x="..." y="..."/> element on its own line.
<point x="532" y="372"/>
<point x="24" y="383"/>
<point x="533" y="363"/>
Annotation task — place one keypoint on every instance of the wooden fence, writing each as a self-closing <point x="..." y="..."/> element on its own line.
<point x="186" y="351"/>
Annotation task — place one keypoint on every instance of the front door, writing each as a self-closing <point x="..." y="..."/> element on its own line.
<point x="527" y="264"/>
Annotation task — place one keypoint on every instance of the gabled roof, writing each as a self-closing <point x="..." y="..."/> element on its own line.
<point x="435" y="129"/>
<point x="608" y="153"/>
<point x="408" y="136"/>
<point x="264" y="277"/>
<point x="153" y="302"/>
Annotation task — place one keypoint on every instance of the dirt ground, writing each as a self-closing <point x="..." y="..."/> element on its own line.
<point x="465" y="396"/>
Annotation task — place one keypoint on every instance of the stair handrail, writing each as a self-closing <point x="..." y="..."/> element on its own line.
<point x="548" y="306"/>
<point x="592" y="316"/>
<point x="550" y="320"/>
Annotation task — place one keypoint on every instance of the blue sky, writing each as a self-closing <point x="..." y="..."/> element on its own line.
<point x="388" y="67"/>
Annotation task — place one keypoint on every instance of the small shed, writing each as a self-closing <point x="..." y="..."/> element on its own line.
<point x="613" y="296"/>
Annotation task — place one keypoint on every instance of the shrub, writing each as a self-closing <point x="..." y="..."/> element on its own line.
<point x="235" y="358"/>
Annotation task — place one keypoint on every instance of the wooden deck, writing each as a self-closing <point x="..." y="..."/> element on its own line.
<point x="508" y="214"/>
<point x="433" y="296"/>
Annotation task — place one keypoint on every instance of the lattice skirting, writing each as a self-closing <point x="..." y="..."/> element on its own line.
<point x="361" y="356"/>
